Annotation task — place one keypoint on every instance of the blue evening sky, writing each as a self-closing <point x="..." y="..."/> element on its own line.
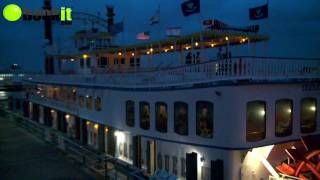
<point x="293" y="25"/>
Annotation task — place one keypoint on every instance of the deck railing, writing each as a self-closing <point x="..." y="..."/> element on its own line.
<point x="237" y="68"/>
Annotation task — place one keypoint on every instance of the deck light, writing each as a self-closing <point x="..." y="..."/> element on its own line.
<point x="71" y="59"/>
<point x="165" y="50"/>
<point x="171" y="47"/>
<point x="67" y="116"/>
<point x="313" y="108"/>
<point x="212" y="44"/>
<point x="187" y="48"/>
<point x="52" y="111"/>
<point x="262" y="112"/>
<point x="88" y="123"/>
<point x="197" y="44"/>
<point x="132" y="54"/>
<point x="106" y="130"/>
<point x="119" y="53"/>
<point x="85" y="56"/>
<point x="289" y="110"/>
<point x="243" y="40"/>
<point x="227" y="38"/>
<point x="96" y="126"/>
<point x="148" y="52"/>
<point x="151" y="49"/>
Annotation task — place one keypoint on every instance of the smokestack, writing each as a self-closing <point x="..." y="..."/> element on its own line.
<point x="49" y="61"/>
<point x="110" y="15"/>
<point x="48" y="23"/>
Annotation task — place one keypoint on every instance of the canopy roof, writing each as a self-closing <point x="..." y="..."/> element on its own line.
<point x="92" y="34"/>
<point x="204" y="39"/>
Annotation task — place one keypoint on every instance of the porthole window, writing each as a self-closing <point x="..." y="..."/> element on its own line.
<point x="98" y="104"/>
<point x="181" y="118"/>
<point x="161" y="117"/>
<point x="283" y="118"/>
<point x="144" y="115"/>
<point x="130" y="113"/>
<point x="308" y="115"/>
<point x="256" y="121"/>
<point x="204" y="125"/>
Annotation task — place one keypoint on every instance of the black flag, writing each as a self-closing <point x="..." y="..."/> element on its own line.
<point x="190" y="7"/>
<point x="260" y="12"/>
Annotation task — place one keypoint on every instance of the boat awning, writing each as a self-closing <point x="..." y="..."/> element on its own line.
<point x="205" y="39"/>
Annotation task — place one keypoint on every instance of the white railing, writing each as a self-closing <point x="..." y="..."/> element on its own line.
<point x="71" y="107"/>
<point x="237" y="68"/>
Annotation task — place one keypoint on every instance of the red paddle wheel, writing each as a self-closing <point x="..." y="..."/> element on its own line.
<point x="306" y="159"/>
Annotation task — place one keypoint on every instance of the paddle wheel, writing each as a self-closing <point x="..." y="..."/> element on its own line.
<point x="303" y="160"/>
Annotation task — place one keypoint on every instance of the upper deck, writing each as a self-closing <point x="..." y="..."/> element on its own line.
<point x="230" y="70"/>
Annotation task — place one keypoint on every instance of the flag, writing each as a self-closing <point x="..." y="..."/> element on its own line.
<point x="214" y="24"/>
<point x="208" y="22"/>
<point x="190" y="7"/>
<point x="260" y="12"/>
<point x="117" y="28"/>
<point x="143" y="36"/>
<point x="173" y="31"/>
<point x="155" y="19"/>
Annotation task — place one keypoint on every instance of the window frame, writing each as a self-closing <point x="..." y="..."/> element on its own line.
<point x="314" y="128"/>
<point x="198" y="118"/>
<point x="263" y="136"/>
<point x="141" y="104"/>
<point x="127" y="113"/>
<point x="157" y="124"/>
<point x="276" y="121"/>
<point x="176" y="125"/>
<point x="96" y="106"/>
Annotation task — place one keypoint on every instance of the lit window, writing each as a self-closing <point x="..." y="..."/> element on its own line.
<point x="159" y="160"/>
<point x="144" y="115"/>
<point x="130" y="113"/>
<point x="89" y="102"/>
<point x="98" y="103"/>
<point x="308" y="115"/>
<point x="74" y="95"/>
<point x="161" y="117"/>
<point x="174" y="165"/>
<point x="256" y="120"/>
<point x="283" y="117"/>
<point x="183" y="167"/>
<point x="204" y="123"/>
<point x="166" y="162"/>
<point x="81" y="101"/>
<point x="181" y="118"/>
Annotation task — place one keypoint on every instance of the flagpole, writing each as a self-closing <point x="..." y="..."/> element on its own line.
<point x="201" y="33"/>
